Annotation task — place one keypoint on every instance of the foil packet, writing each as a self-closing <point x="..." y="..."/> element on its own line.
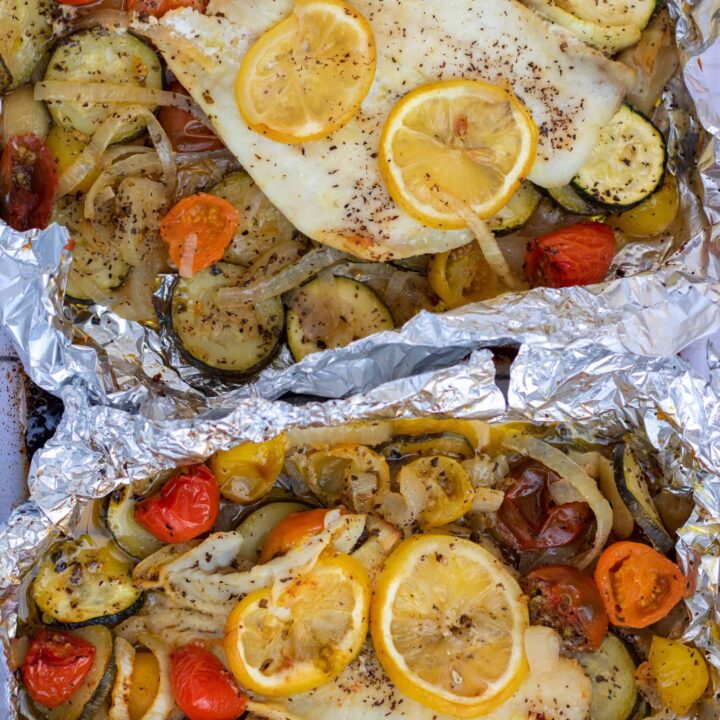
<point x="659" y="404"/>
<point x="107" y="354"/>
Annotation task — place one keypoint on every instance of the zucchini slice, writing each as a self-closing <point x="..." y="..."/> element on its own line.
<point x="79" y="583"/>
<point x="568" y="199"/>
<point x="261" y="223"/>
<point x="612" y="673"/>
<point x="636" y="13"/>
<point x="130" y="536"/>
<point x="95" y="254"/>
<point x="25" y="31"/>
<point x="611" y="39"/>
<point x="518" y="210"/>
<point x="256" y="526"/>
<point x="333" y="313"/>
<point x="634" y="491"/>
<point x="92" y="698"/>
<point x="236" y="342"/>
<point x="628" y="163"/>
<point x="405" y="447"/>
<point x="99" y="55"/>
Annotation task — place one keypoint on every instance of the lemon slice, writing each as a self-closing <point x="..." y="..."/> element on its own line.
<point x="279" y="644"/>
<point x="456" y="147"/>
<point x="308" y="75"/>
<point x="448" y="624"/>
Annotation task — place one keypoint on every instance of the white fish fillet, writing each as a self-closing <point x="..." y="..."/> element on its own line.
<point x="364" y="692"/>
<point x="331" y="189"/>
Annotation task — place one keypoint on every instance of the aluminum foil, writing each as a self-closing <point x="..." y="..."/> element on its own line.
<point x="590" y="388"/>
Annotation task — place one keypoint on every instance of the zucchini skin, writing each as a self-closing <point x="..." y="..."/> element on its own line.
<point x="112" y="514"/>
<point x="164" y="309"/>
<point x="109" y="620"/>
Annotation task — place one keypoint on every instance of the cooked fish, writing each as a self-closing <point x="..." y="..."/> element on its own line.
<point x="331" y="189"/>
<point x="363" y="692"/>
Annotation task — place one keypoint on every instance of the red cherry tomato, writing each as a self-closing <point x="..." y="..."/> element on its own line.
<point x="292" y="531"/>
<point x="28" y="182"/>
<point x="185" y="507"/>
<point x="528" y="519"/>
<point x="158" y="8"/>
<point x="204" y="689"/>
<point x="564" y="598"/>
<point x="55" y="666"/>
<point x="577" y="255"/>
<point x="186" y="132"/>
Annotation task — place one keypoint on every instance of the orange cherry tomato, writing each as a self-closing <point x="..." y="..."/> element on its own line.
<point x="204" y="689"/>
<point x="157" y="8"/>
<point x="186" y="506"/>
<point x="291" y="531"/>
<point x="565" y="598"/>
<point x="198" y="230"/>
<point x="186" y="132"/>
<point x="577" y="255"/>
<point x="55" y="666"/>
<point x="637" y="584"/>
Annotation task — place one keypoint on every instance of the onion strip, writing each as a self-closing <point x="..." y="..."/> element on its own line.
<point x="286" y="279"/>
<point x="570" y="471"/>
<point x="166" y="40"/>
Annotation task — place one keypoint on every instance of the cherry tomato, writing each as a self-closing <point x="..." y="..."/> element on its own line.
<point x="28" y="182"/>
<point x="198" y="230"/>
<point x="158" y="8"/>
<point x="291" y="531"/>
<point x="204" y="689"/>
<point x="528" y="519"/>
<point x="577" y="255"/>
<point x="185" y="507"/>
<point x="564" y="598"/>
<point x="186" y="132"/>
<point x="55" y="666"/>
<point x="637" y="584"/>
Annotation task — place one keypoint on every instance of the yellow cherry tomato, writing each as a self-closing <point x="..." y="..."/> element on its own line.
<point x="145" y="684"/>
<point x="680" y="673"/>
<point x="66" y="146"/>
<point x="462" y="276"/>
<point x="652" y="216"/>
<point x="247" y="472"/>
<point x="448" y="490"/>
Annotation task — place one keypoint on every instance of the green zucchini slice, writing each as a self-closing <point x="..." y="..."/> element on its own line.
<point x="634" y="491"/>
<point x="92" y="698"/>
<point x="99" y="55"/>
<point x="234" y="342"/>
<point x="79" y="583"/>
<point x="25" y="31"/>
<point x="256" y="526"/>
<point x="635" y="13"/>
<point x="405" y="447"/>
<point x="95" y="255"/>
<point x="130" y="536"/>
<point x="568" y="199"/>
<point x="518" y="210"/>
<point x="333" y="313"/>
<point x="612" y="673"/>
<point x="628" y="163"/>
<point x="261" y="224"/>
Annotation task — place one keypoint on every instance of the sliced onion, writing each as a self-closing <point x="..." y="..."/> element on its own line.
<point x="542" y="647"/>
<point x="271" y="285"/>
<point x="106" y="17"/>
<point x="167" y="39"/>
<point x="124" y="663"/>
<point x="586" y="488"/>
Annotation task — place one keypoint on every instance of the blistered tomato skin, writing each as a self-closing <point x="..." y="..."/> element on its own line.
<point x="564" y="598"/>
<point x="680" y="673"/>
<point x="291" y="531"/>
<point x="56" y="664"/>
<point x="28" y="182"/>
<point x="185" y="507"/>
<point x="203" y="688"/>
<point x="577" y="255"/>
